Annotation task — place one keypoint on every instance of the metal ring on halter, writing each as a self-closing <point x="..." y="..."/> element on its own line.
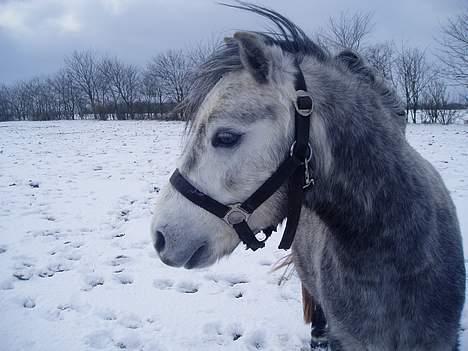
<point x="309" y="148"/>
<point x="236" y="215"/>
<point x="302" y="94"/>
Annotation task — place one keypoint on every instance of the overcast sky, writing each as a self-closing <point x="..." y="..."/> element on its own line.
<point x="36" y="35"/>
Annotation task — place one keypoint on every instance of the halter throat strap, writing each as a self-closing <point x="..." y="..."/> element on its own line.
<point x="294" y="168"/>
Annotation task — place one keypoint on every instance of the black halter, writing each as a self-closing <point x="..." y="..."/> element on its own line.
<point x="295" y="168"/>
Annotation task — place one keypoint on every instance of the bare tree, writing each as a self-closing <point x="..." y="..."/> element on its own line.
<point x="104" y="96"/>
<point x="43" y="98"/>
<point x="18" y="100"/>
<point x="122" y="82"/>
<point x="436" y="103"/>
<point x="348" y="31"/>
<point x="39" y="100"/>
<point x="66" y="94"/>
<point x="83" y="68"/>
<point x="6" y="113"/>
<point x="172" y="70"/>
<point x="454" y="49"/>
<point x="153" y="91"/>
<point x="412" y="76"/>
<point x="107" y="71"/>
<point x="382" y="58"/>
<point x="129" y="89"/>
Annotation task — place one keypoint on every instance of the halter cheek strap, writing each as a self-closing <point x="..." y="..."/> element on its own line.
<point x="295" y="168"/>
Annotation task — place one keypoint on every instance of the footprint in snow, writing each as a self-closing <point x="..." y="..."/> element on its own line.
<point x="23" y="270"/>
<point x="155" y="323"/>
<point x="99" y="339"/>
<point x="59" y="267"/>
<point x="23" y="262"/>
<point x="45" y="273"/>
<point x="107" y="314"/>
<point x="187" y="287"/>
<point x="124" y="279"/>
<point x="256" y="340"/>
<point x="229" y="279"/>
<point x="49" y="218"/>
<point x="213" y="328"/>
<point x="33" y="183"/>
<point x="124" y="215"/>
<point x="235" y="330"/>
<point x="6" y="285"/>
<point x="45" y="233"/>
<point x="131" y="321"/>
<point x="215" y="332"/>
<point x="28" y="302"/>
<point x="73" y="256"/>
<point x="52" y="252"/>
<point x="237" y="293"/>
<point x="23" y="274"/>
<point x="65" y="307"/>
<point x="92" y="280"/>
<point x="59" y="313"/>
<point x="120" y="259"/>
<point x="77" y="244"/>
<point x="3" y="249"/>
<point x="128" y="342"/>
<point x="163" y="284"/>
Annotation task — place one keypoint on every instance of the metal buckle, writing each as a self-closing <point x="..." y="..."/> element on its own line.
<point x="304" y="94"/>
<point x="308" y="179"/>
<point x="236" y="215"/>
<point x="309" y="148"/>
<point x="261" y="236"/>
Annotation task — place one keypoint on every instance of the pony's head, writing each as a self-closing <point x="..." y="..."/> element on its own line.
<point x="241" y="109"/>
<point x="241" y="128"/>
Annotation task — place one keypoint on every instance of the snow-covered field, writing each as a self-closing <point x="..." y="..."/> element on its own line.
<point x="77" y="268"/>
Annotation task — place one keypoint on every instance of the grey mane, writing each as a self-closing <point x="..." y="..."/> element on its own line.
<point x="226" y="58"/>
<point x="353" y="62"/>
<point x="291" y="39"/>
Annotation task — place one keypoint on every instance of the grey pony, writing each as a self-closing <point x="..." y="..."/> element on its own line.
<point x="378" y="244"/>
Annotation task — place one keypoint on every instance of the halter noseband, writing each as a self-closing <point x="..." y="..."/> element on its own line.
<point x="295" y="168"/>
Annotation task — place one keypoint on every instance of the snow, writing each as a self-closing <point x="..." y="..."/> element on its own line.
<point x="77" y="268"/>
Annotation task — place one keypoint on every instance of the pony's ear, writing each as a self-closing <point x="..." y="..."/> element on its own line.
<point x="253" y="55"/>
<point x="356" y="64"/>
<point x="230" y="41"/>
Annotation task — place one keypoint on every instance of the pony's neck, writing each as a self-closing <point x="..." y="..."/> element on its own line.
<point x="357" y="155"/>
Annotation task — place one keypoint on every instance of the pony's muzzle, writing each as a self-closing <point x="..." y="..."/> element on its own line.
<point x="192" y="255"/>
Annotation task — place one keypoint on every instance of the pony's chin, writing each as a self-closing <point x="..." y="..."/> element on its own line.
<point x="201" y="258"/>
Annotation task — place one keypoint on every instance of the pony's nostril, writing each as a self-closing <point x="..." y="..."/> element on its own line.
<point x="160" y="241"/>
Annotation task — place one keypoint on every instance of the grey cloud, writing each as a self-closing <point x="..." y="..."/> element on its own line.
<point x="136" y="30"/>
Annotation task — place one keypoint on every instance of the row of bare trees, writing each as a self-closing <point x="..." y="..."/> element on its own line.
<point x="107" y="88"/>
<point x="90" y="86"/>
<point x="422" y="81"/>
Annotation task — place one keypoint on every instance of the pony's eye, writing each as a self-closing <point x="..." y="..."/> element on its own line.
<point x="225" y="139"/>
